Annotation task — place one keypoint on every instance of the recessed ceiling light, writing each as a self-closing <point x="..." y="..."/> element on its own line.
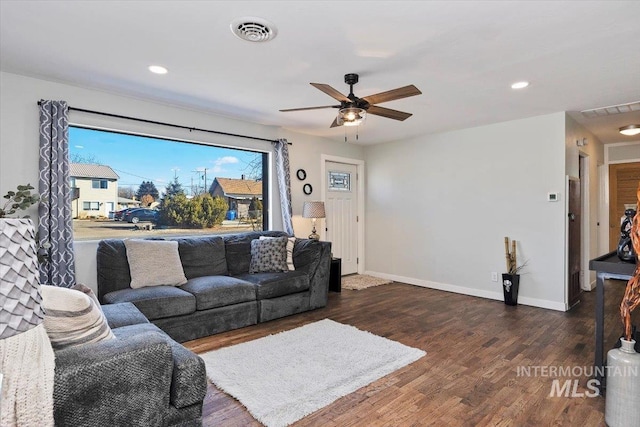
<point x="519" y="85"/>
<point x="158" y="69"/>
<point x="630" y="130"/>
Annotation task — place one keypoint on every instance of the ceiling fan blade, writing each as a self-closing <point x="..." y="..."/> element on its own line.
<point x="331" y="92"/>
<point x="390" y="95"/>
<point x="388" y="113"/>
<point x="309" y="108"/>
<point x="335" y="123"/>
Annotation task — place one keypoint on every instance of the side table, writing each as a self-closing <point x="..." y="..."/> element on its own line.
<point x="335" y="275"/>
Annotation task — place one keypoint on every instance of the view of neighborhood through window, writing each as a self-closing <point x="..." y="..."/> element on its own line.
<point x="133" y="186"/>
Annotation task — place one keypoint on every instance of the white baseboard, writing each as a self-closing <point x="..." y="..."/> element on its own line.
<point x="534" y="302"/>
<point x="591" y="286"/>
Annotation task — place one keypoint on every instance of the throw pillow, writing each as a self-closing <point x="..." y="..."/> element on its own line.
<point x="268" y="255"/>
<point x="72" y="318"/>
<point x="291" y="242"/>
<point x="154" y="263"/>
<point x="87" y="290"/>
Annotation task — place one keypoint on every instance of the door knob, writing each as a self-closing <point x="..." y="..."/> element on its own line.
<point x="572" y="216"/>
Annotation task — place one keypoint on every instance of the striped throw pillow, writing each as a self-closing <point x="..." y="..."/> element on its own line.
<point x="72" y="318"/>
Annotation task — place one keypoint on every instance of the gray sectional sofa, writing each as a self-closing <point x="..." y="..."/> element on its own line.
<point x="220" y="293"/>
<point x="141" y="378"/>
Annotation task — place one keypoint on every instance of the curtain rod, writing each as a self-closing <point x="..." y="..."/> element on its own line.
<point x="190" y="129"/>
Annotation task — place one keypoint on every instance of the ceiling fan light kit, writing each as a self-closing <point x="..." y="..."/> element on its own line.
<point x="630" y="130"/>
<point x="353" y="110"/>
<point x="352" y="116"/>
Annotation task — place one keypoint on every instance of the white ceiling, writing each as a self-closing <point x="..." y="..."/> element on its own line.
<point x="462" y="55"/>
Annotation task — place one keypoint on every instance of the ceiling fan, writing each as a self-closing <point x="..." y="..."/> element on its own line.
<point x="352" y="110"/>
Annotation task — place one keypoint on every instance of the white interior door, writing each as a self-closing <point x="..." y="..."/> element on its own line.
<point x="341" y="205"/>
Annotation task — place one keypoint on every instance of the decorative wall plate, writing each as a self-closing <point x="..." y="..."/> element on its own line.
<point x="307" y="189"/>
<point x="301" y="174"/>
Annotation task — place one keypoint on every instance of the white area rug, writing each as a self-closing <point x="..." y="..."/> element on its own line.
<point x="284" y="377"/>
<point x="362" y="281"/>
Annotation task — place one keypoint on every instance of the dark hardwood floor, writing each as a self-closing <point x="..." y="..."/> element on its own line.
<point x="469" y="376"/>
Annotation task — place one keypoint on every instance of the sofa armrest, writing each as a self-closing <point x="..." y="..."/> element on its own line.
<point x="113" y="382"/>
<point x="314" y="258"/>
<point x="123" y="314"/>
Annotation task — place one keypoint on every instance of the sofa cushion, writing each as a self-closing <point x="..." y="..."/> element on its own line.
<point x="268" y="255"/>
<point x="238" y="249"/>
<point x="113" y="267"/>
<point x="154" y="263"/>
<point x="123" y="314"/>
<point x="156" y="302"/>
<point x="271" y="285"/>
<point x="72" y="318"/>
<point x="202" y="256"/>
<point x="188" y="383"/>
<point x="219" y="291"/>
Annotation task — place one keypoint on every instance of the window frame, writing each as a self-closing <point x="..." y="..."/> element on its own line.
<point x="100" y="182"/>
<point x="91" y="204"/>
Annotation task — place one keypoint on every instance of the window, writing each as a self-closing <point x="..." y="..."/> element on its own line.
<point x="339" y="181"/>
<point x="90" y="206"/>
<point x="99" y="183"/>
<point x="195" y="188"/>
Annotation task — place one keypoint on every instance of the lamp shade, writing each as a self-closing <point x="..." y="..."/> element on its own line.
<point x="313" y="210"/>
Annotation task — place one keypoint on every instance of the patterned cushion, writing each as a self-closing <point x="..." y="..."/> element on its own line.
<point x="268" y="255"/>
<point x="154" y="263"/>
<point x="72" y="318"/>
<point x="291" y="242"/>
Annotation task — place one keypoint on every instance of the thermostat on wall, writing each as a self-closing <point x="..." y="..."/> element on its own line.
<point x="553" y="197"/>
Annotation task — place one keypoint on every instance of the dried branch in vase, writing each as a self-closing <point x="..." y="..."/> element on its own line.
<point x="631" y="299"/>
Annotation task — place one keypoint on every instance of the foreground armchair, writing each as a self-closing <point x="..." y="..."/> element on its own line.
<point x="141" y="378"/>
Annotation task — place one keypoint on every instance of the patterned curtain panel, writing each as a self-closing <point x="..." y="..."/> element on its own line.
<point x="56" y="228"/>
<point x="281" y="148"/>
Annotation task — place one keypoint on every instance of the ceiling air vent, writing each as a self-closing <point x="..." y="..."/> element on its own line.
<point x="253" y="29"/>
<point x="612" y="109"/>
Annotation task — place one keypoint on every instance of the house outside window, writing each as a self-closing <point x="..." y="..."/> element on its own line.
<point x="91" y="206"/>
<point x="99" y="183"/>
<point x="95" y="190"/>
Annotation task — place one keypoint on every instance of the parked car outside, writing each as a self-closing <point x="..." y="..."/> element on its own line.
<point x="136" y="215"/>
<point x="118" y="215"/>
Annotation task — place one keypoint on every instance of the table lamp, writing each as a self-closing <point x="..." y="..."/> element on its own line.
<point x="313" y="210"/>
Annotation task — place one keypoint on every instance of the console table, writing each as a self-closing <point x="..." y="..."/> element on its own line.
<point x="607" y="266"/>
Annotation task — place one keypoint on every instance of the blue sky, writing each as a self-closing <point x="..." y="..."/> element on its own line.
<point x="136" y="159"/>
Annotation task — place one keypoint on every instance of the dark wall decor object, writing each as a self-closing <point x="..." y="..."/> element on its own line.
<point x="307" y="189"/>
<point x="625" y="247"/>
<point x="301" y="174"/>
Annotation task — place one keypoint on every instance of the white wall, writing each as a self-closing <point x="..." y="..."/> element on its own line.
<point x="19" y="140"/>
<point x="594" y="150"/>
<point x="438" y="209"/>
